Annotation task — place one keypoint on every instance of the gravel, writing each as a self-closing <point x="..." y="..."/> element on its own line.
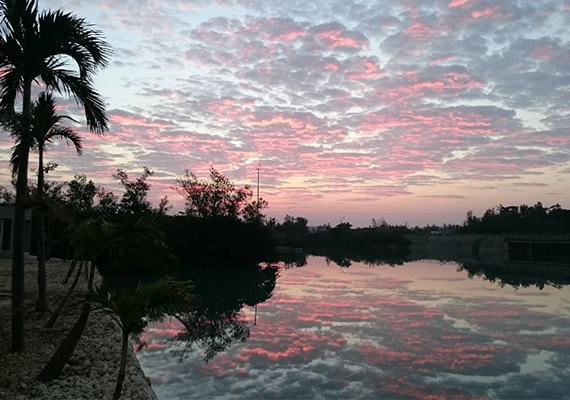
<point x="91" y="372"/>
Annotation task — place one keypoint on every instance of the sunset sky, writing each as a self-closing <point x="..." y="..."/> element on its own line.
<point x="412" y="110"/>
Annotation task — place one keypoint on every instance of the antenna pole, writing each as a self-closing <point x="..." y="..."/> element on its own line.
<point x="258" y="169"/>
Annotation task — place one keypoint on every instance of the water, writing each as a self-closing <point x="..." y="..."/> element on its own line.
<point x="418" y="330"/>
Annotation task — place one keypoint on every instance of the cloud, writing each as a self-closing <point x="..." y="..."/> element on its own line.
<point x="368" y="96"/>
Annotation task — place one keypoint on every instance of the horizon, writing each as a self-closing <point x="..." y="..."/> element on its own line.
<point x="412" y="112"/>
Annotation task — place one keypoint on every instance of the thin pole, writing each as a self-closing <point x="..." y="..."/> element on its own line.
<point x="258" y="169"/>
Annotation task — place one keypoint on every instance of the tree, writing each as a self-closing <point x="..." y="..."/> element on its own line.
<point x="213" y="197"/>
<point x="292" y="231"/>
<point x="252" y="211"/>
<point x="108" y="202"/>
<point x="81" y="193"/>
<point x="6" y="196"/>
<point x="99" y="239"/>
<point x="135" y="198"/>
<point x="134" y="310"/>
<point x="45" y="127"/>
<point x="39" y="46"/>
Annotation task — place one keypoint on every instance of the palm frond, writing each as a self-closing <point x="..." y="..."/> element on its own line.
<point x="84" y="44"/>
<point x="85" y="96"/>
<point x="69" y="135"/>
<point x="33" y="48"/>
<point x="133" y="309"/>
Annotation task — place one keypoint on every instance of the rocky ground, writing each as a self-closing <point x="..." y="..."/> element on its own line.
<point x="92" y="370"/>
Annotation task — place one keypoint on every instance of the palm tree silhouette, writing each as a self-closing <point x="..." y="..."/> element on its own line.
<point x="62" y="51"/>
<point x="133" y="310"/>
<point x="45" y="127"/>
<point x="105" y="238"/>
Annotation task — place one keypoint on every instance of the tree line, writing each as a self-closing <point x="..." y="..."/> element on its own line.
<point x="519" y="219"/>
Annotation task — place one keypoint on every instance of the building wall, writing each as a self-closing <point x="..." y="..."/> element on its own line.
<point x="7" y="230"/>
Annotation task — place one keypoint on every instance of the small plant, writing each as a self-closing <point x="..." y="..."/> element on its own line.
<point x="132" y="310"/>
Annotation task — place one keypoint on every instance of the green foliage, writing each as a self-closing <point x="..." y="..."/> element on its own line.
<point x="108" y="203"/>
<point x="7" y="196"/>
<point x="80" y="195"/>
<point x="32" y="47"/>
<point x="217" y="196"/>
<point x="134" y="309"/>
<point x="252" y="211"/>
<point x="124" y="242"/>
<point x="292" y="232"/>
<point x="221" y="240"/>
<point x="519" y="219"/>
<point x="46" y="126"/>
<point x="30" y="44"/>
<point x="375" y="245"/>
<point x="135" y="198"/>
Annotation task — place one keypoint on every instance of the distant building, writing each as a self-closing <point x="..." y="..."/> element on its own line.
<point x="7" y="212"/>
<point x="320" y="228"/>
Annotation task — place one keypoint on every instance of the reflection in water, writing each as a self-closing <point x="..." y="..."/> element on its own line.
<point x="520" y="274"/>
<point x="216" y="321"/>
<point x="422" y="330"/>
<point x="345" y="256"/>
<point x="212" y="334"/>
<point x="293" y="259"/>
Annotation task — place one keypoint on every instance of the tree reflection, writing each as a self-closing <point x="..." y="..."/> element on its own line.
<point x="216" y="322"/>
<point x="519" y="275"/>
<point x="293" y="259"/>
<point x="212" y="334"/>
<point x="339" y="260"/>
<point x="344" y="257"/>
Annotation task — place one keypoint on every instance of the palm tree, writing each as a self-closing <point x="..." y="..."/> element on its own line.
<point x="133" y="310"/>
<point x="62" y="51"/>
<point x="45" y="128"/>
<point x="97" y="239"/>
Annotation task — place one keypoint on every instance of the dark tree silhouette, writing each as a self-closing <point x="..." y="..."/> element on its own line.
<point x="213" y="197"/>
<point x="45" y="127"/>
<point x="36" y="46"/>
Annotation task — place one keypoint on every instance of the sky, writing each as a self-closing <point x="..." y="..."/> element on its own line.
<point x="414" y="111"/>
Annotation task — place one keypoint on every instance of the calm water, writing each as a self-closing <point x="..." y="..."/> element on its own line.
<point x="418" y="330"/>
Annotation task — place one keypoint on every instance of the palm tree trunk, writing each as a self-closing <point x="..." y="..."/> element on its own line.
<point x="18" y="285"/>
<point x="91" y="278"/>
<point x="65" y="350"/>
<point x="64" y="301"/>
<point x="123" y="366"/>
<point x="49" y="234"/>
<point x="42" y="304"/>
<point x="72" y="266"/>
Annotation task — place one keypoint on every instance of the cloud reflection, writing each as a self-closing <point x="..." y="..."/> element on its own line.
<point x="415" y="331"/>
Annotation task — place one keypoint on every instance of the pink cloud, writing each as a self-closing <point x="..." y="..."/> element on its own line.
<point x="331" y="67"/>
<point x="442" y="60"/>
<point x="487" y="13"/>
<point x="459" y="3"/>
<point x="133" y="120"/>
<point x="543" y="52"/>
<point x="365" y="69"/>
<point x="336" y="39"/>
<point x="421" y="31"/>
<point x="280" y="119"/>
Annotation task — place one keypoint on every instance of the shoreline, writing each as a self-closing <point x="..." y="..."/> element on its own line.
<point x="91" y="372"/>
